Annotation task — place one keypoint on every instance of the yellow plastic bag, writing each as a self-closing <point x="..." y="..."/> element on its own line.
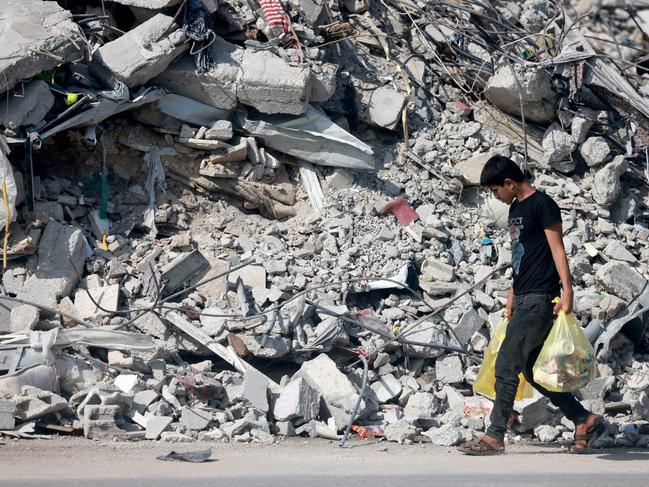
<point x="567" y="360"/>
<point x="486" y="380"/>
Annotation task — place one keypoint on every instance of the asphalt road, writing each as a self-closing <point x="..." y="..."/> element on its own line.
<point x="73" y="462"/>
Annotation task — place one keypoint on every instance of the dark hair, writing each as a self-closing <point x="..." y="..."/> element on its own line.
<point x="499" y="168"/>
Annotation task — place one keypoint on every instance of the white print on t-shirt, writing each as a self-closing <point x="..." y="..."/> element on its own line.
<point x="515" y="227"/>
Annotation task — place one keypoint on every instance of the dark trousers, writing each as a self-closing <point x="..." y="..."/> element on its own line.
<point x="529" y="327"/>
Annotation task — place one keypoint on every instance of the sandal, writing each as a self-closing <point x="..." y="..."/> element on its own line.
<point x="584" y="442"/>
<point x="480" y="448"/>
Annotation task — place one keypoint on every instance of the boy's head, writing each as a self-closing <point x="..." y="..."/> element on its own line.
<point x="503" y="177"/>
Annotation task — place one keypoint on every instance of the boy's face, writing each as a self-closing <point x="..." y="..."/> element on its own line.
<point x="505" y="193"/>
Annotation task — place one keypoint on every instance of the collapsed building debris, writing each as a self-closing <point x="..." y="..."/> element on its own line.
<point x="239" y="221"/>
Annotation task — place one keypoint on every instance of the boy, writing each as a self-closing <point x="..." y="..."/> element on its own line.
<point x="540" y="271"/>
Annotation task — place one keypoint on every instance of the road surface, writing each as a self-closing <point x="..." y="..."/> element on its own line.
<point x="73" y="462"/>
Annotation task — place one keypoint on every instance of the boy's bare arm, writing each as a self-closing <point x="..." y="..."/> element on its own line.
<point x="554" y="234"/>
<point x="509" y="307"/>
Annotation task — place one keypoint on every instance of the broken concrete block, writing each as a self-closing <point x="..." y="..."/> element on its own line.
<point x="34" y="403"/>
<point x="445" y="435"/>
<point x="595" y="151"/>
<point x="426" y="332"/>
<point x="61" y="254"/>
<point x="219" y="164"/>
<point x="285" y="428"/>
<point x="557" y="144"/>
<point x="142" y="399"/>
<point x="254" y="277"/>
<point x="255" y="389"/>
<point x="220" y="130"/>
<point x="611" y="305"/>
<point x="337" y="390"/>
<point x="433" y="270"/>
<point x="323" y="82"/>
<point x="142" y="53"/>
<point x="195" y="419"/>
<point x="151" y="324"/>
<point x="386" y="388"/>
<point x="42" y="376"/>
<point x="206" y="145"/>
<point x="156" y="425"/>
<point x="620" y="279"/>
<point x="107" y="297"/>
<point x="539" y="99"/>
<point x="46" y="211"/>
<point x="29" y="108"/>
<point x="531" y="413"/>
<point x="38" y="36"/>
<point x="99" y="422"/>
<point x="607" y="187"/>
<point x="421" y="405"/>
<point x="181" y="269"/>
<point x="439" y="288"/>
<point x="470" y="169"/>
<point x="546" y="433"/>
<point x="449" y="369"/>
<point x="597" y="388"/>
<point x="616" y="251"/>
<point x="270" y="85"/>
<point x="470" y="323"/>
<point x="385" y="107"/>
<point x="298" y="399"/>
<point x="7" y="413"/>
<point x="402" y="432"/>
<point x="24" y="317"/>
<point x="454" y="399"/>
<point x="275" y="347"/>
<point x="217" y="87"/>
<point x="581" y="124"/>
<point x="126" y="382"/>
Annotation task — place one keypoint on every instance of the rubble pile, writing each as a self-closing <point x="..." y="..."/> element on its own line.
<point x="240" y="221"/>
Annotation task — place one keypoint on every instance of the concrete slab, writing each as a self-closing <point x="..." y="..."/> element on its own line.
<point x="107" y="297"/>
<point x="142" y="53"/>
<point x="297" y="400"/>
<point x="62" y="251"/>
<point x="259" y="79"/>
<point x="217" y="88"/>
<point x="270" y="85"/>
<point x="36" y="36"/>
<point x="28" y="107"/>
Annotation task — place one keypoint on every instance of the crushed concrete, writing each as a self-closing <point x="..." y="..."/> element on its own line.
<point x="161" y="161"/>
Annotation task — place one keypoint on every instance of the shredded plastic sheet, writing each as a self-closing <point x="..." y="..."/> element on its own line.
<point x="486" y="380"/>
<point x="196" y="456"/>
<point x="104" y="108"/>
<point x="156" y="174"/>
<point x="177" y="106"/>
<point x="567" y="360"/>
<point x="312" y="137"/>
<point x="189" y="110"/>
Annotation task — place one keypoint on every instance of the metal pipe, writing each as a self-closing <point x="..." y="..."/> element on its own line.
<point x="366" y="367"/>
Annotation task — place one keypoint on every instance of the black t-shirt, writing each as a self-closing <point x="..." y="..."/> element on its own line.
<point x="534" y="268"/>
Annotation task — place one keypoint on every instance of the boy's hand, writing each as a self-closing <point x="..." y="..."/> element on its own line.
<point x="509" y="309"/>
<point x="565" y="304"/>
